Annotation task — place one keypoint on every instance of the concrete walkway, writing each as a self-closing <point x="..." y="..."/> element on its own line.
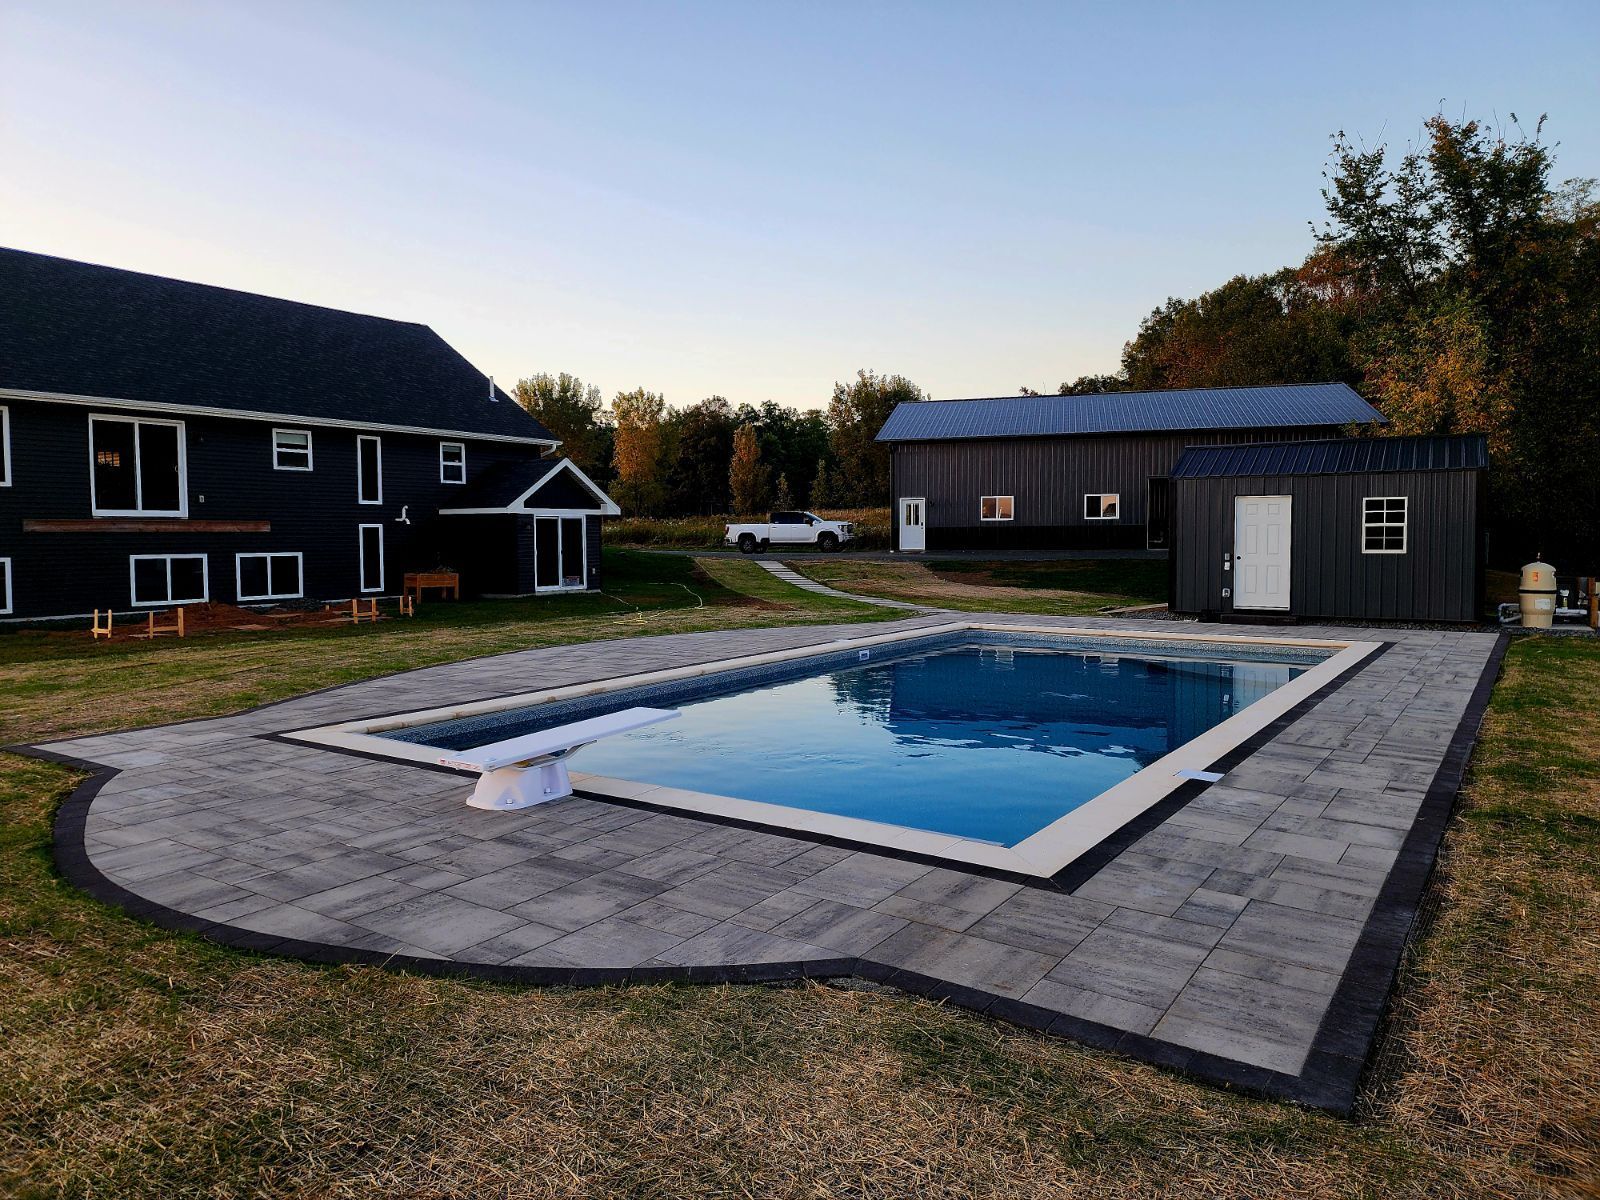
<point x="790" y="575"/>
<point x="1247" y="936"/>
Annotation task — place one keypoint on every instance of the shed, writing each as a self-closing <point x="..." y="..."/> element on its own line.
<point x="1387" y="528"/>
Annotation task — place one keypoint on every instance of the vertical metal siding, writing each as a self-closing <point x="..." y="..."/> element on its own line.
<point x="1437" y="579"/>
<point x="1050" y="476"/>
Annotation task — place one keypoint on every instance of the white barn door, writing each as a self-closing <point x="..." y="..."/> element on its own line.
<point x="913" y="525"/>
<point x="1261" y="552"/>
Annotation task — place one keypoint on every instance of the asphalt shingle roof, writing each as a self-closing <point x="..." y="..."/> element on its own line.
<point x="1284" y="405"/>
<point x="83" y="330"/>
<point x="1343" y="456"/>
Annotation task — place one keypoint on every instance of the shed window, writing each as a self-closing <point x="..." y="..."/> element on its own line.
<point x="452" y="462"/>
<point x="291" y="449"/>
<point x="1102" y="506"/>
<point x="273" y="576"/>
<point x="1383" y="525"/>
<point x="136" y="468"/>
<point x="168" y="578"/>
<point x="996" y="508"/>
<point x="5" y="446"/>
<point x="5" y="585"/>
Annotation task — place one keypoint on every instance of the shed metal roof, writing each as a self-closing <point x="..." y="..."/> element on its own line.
<point x="1341" y="456"/>
<point x="75" y="329"/>
<point x="1280" y="405"/>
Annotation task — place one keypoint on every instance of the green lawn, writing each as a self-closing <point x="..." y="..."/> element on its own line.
<point x="138" y="1063"/>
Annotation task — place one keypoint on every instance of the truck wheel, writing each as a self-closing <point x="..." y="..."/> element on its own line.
<point x="747" y="543"/>
<point x="828" y="542"/>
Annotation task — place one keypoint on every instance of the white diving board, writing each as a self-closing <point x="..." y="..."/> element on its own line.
<point x="523" y="771"/>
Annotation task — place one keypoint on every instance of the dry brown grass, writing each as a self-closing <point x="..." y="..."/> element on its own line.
<point x="138" y="1063"/>
<point x="969" y="590"/>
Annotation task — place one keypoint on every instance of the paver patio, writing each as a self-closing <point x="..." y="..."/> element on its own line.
<point x="1249" y="937"/>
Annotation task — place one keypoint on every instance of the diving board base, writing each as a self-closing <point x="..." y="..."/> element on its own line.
<point x="511" y="788"/>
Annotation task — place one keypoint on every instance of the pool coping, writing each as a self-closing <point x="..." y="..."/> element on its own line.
<point x="1045" y="854"/>
<point x="1329" y="1079"/>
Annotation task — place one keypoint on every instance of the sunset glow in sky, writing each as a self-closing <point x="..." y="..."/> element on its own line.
<point x="745" y="199"/>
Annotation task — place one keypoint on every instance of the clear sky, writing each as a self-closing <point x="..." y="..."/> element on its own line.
<point x="751" y="199"/>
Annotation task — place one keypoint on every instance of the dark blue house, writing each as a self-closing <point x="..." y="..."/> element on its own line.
<point x="164" y="442"/>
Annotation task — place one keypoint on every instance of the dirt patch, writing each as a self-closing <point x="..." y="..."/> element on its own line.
<point x="214" y="617"/>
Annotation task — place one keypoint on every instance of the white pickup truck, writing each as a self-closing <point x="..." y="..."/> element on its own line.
<point x="788" y="529"/>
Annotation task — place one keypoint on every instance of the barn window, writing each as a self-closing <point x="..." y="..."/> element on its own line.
<point x="996" y="508"/>
<point x="1102" y="506"/>
<point x="452" y="462"/>
<point x="291" y="450"/>
<point x="1383" y="525"/>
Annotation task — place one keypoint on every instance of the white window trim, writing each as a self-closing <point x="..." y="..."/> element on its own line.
<point x="1404" y="523"/>
<point x="997" y="499"/>
<point x="205" y="580"/>
<point x="138" y="480"/>
<point x="238" y="574"/>
<point x="557" y="515"/>
<point x="1102" y="496"/>
<point x="5" y="453"/>
<point x="461" y="446"/>
<point x="5" y="596"/>
<point x="310" y="455"/>
<point x="361" y="477"/>
<point x="361" y="558"/>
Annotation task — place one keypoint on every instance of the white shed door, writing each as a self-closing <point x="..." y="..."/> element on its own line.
<point x="1261" y="552"/>
<point x="913" y="530"/>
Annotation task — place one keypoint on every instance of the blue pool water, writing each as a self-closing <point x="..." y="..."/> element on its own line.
<point x="990" y="742"/>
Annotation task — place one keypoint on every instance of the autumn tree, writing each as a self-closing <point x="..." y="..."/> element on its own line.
<point x="638" y="420"/>
<point x="747" y="477"/>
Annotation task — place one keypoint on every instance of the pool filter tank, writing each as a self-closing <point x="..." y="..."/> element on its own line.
<point x="1538" y="595"/>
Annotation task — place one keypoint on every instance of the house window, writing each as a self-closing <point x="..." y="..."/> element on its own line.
<point x="1102" y="506"/>
<point x="5" y="447"/>
<point x="371" y="543"/>
<point x="5" y="584"/>
<point x="168" y="578"/>
<point x="369" y="469"/>
<point x="996" y="508"/>
<point x="137" y="468"/>
<point x="291" y="450"/>
<point x="452" y="462"/>
<point x="274" y="576"/>
<point x="1383" y="525"/>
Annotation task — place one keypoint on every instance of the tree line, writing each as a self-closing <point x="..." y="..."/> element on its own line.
<point x="1455" y="285"/>
<point x="712" y="457"/>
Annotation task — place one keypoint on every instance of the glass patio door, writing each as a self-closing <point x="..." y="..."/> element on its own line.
<point x="559" y="554"/>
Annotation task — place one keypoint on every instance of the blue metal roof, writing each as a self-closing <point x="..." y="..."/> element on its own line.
<point x="1343" y="456"/>
<point x="1279" y="405"/>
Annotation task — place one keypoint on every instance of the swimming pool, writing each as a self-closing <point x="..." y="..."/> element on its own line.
<point x="1005" y="747"/>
